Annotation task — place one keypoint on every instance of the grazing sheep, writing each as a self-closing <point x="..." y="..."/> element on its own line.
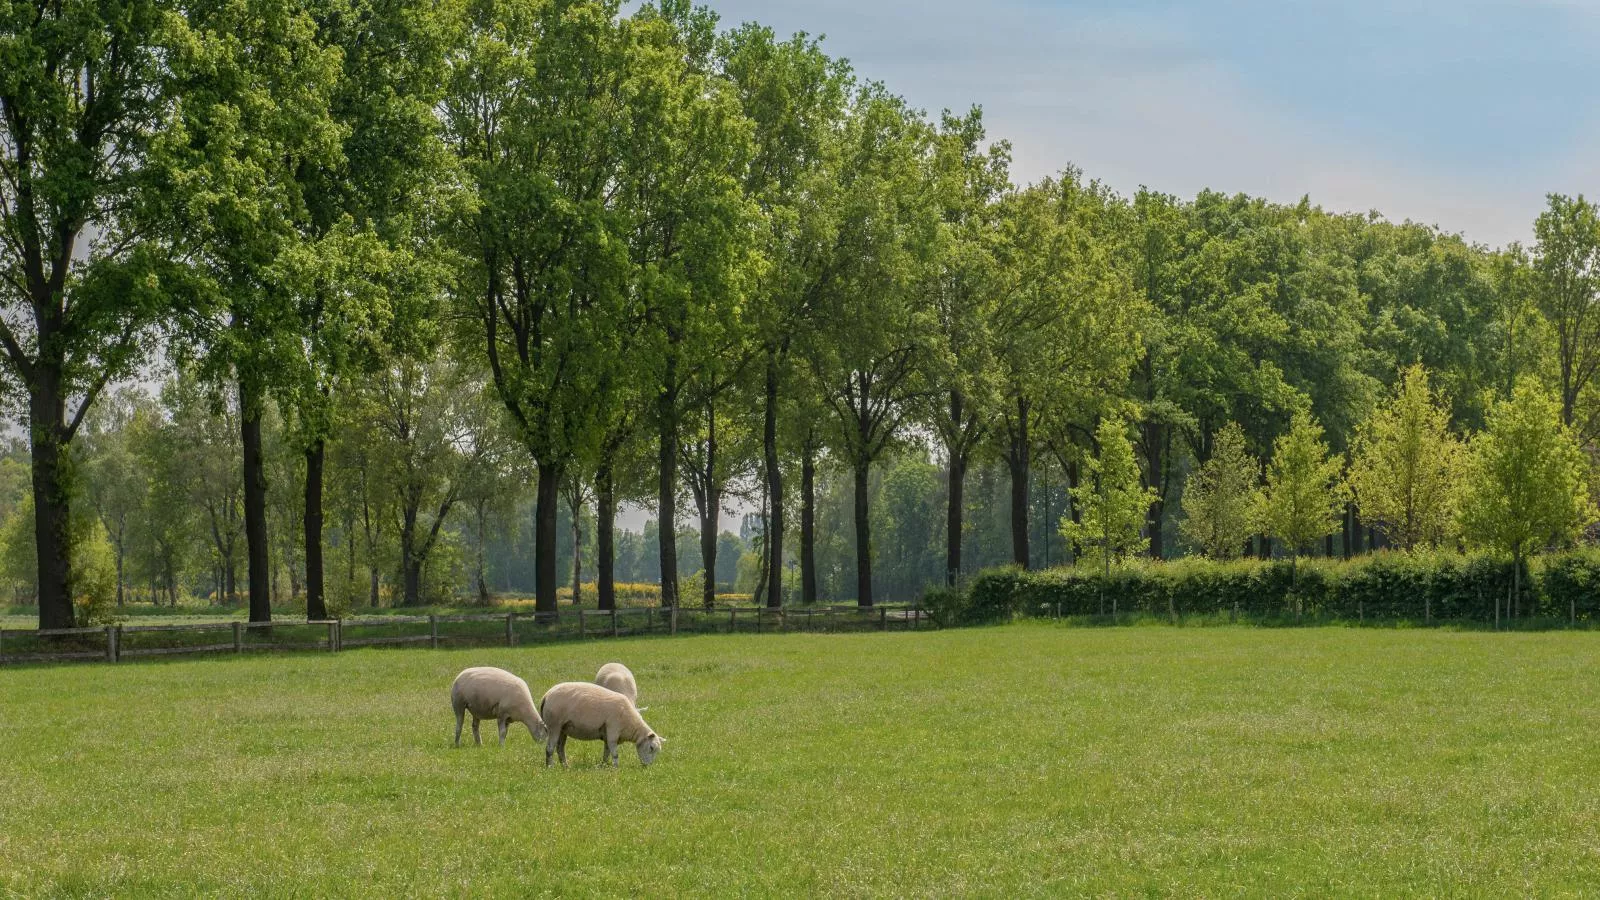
<point x="617" y="677"/>
<point x="590" y="712"/>
<point x="491" y="693"/>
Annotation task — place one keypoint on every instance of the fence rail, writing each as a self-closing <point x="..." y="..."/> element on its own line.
<point x="112" y="643"/>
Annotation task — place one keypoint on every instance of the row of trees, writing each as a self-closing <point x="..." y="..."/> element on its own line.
<point x="691" y="265"/>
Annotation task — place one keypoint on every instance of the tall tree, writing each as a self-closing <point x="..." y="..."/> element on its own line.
<point x="372" y="209"/>
<point x="83" y="90"/>
<point x="1406" y="463"/>
<point x="535" y="112"/>
<point x="963" y="286"/>
<point x="1221" y="497"/>
<point x="1567" y="263"/>
<point x="688" y="231"/>
<point x="866" y="357"/>
<point x="1064" y="330"/>
<point x="795" y="98"/>
<point x="254" y="88"/>
<point x="1526" y="484"/>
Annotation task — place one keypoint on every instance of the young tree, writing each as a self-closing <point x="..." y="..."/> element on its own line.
<point x="1406" y="463"/>
<point x="1221" y="497"/>
<point x="1526" y="484"/>
<point x="1302" y="499"/>
<point x="1112" y="503"/>
<point x="116" y="482"/>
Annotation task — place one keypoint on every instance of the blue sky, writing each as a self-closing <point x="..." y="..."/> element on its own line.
<point x="1462" y="114"/>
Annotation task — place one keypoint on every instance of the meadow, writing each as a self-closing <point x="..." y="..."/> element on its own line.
<point x="1027" y="759"/>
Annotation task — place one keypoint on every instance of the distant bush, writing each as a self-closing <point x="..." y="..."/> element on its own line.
<point x="1385" y="586"/>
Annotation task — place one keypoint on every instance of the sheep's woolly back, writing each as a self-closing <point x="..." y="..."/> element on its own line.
<point x="491" y="693"/>
<point x="617" y="677"/>
<point x="582" y="708"/>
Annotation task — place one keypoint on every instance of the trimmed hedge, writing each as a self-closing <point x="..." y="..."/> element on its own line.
<point x="1385" y="586"/>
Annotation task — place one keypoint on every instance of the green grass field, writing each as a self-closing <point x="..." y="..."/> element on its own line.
<point x="1028" y="759"/>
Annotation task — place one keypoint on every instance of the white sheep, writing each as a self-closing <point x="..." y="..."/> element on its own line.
<point x="589" y="712"/>
<point x="491" y="693"/>
<point x="617" y="677"/>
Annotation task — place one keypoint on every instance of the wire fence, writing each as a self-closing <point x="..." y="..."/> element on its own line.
<point x="114" y="643"/>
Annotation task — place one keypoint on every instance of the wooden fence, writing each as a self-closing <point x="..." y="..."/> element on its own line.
<point x="113" y="643"/>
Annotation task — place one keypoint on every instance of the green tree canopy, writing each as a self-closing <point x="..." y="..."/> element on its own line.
<point x="1302" y="497"/>
<point x="1406" y="463"/>
<point x="1526" y="483"/>
<point x="1221" y="498"/>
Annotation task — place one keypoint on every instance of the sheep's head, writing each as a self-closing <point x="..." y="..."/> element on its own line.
<point x="538" y="729"/>
<point x="649" y="747"/>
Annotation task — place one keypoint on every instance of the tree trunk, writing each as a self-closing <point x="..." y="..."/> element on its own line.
<point x="863" y="537"/>
<point x="410" y="589"/>
<point x="667" y="487"/>
<point x="372" y="585"/>
<point x="1073" y="511"/>
<point x="316" y="604"/>
<point x="711" y="503"/>
<point x="1017" y="460"/>
<point x="258" y="562"/>
<point x="577" y="550"/>
<point x="1155" y="464"/>
<point x="808" y="525"/>
<point x="120" y="556"/>
<point x="953" y="511"/>
<point x="52" y="539"/>
<point x="547" y="503"/>
<point x="605" y="501"/>
<point x="773" y="534"/>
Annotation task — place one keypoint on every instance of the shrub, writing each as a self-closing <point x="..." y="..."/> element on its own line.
<point x="1382" y="586"/>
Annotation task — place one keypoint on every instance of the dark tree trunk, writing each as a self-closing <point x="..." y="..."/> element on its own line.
<point x="953" y="511"/>
<point x="773" y="534"/>
<point x="316" y="604"/>
<point x="547" y="502"/>
<point x="1073" y="482"/>
<point x="372" y="585"/>
<point x="52" y="540"/>
<point x="120" y="555"/>
<point x="863" y="537"/>
<point x="708" y="558"/>
<point x="410" y="588"/>
<point x="258" y="563"/>
<point x="577" y="550"/>
<point x="1018" y="461"/>
<point x="709" y="508"/>
<point x="230" y="581"/>
<point x="605" y="502"/>
<point x="1155" y="464"/>
<point x="1349" y="514"/>
<point x="808" y="525"/>
<point x="667" y="487"/>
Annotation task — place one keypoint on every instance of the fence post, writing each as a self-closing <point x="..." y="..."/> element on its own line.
<point x="581" y="630"/>
<point x="2" y="643"/>
<point x="674" y="612"/>
<point x="883" y="618"/>
<point x="511" y="635"/>
<point x="111" y="643"/>
<point x="733" y="611"/>
<point x="760" y="614"/>
<point x="333" y="635"/>
<point x="433" y="632"/>
<point x="614" y="631"/>
<point x="238" y="637"/>
<point x="783" y="619"/>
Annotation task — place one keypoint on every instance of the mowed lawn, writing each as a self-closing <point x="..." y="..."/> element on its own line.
<point x="1029" y="759"/>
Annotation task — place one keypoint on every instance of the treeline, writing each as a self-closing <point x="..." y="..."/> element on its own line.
<point x="458" y="247"/>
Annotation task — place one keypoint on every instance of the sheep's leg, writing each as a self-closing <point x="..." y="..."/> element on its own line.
<point x="561" y="749"/>
<point x="549" y="747"/>
<point x="610" y="748"/>
<point x="504" y="724"/>
<point x="477" y="739"/>
<point x="461" y="714"/>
